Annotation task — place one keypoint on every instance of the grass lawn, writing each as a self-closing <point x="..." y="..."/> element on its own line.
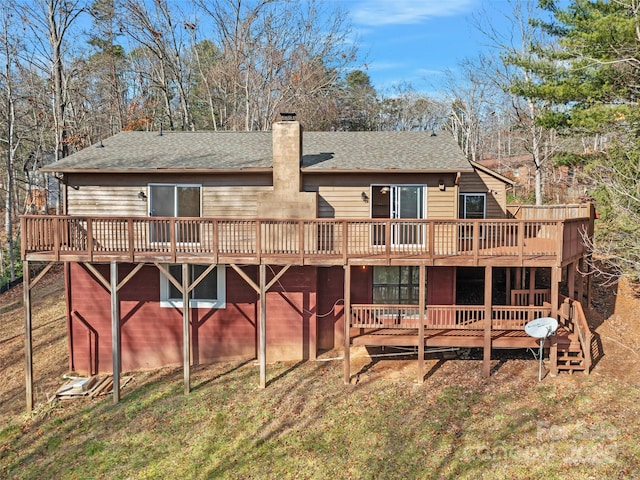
<point x="307" y="424"/>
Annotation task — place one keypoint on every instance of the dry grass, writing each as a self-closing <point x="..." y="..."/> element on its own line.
<point x="308" y="424"/>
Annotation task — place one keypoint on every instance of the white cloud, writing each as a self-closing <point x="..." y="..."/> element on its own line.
<point x="403" y="12"/>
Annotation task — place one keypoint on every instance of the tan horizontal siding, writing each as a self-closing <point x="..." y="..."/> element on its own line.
<point x="441" y="204"/>
<point x="108" y="201"/>
<point x="231" y="201"/>
<point x="343" y="202"/>
<point x="224" y="202"/>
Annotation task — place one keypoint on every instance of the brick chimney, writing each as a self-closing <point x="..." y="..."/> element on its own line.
<point x="287" y="200"/>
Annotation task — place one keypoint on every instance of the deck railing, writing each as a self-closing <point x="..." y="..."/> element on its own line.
<point x="453" y="317"/>
<point x="550" y="212"/>
<point x="572" y="317"/>
<point x="172" y="238"/>
<point x="537" y="296"/>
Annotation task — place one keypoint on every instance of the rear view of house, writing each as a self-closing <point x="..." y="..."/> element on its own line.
<point x="192" y="247"/>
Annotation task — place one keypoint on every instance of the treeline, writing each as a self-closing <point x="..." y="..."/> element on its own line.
<point x="557" y="88"/>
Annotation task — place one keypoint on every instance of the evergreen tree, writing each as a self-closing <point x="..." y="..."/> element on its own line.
<point x="592" y="81"/>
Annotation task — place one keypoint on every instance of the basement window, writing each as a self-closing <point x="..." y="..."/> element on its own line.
<point x="396" y="285"/>
<point x="209" y="293"/>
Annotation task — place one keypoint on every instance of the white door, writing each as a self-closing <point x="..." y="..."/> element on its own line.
<point x="408" y="201"/>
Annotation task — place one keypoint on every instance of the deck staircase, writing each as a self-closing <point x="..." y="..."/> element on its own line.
<point x="570" y="356"/>
<point x="574" y="339"/>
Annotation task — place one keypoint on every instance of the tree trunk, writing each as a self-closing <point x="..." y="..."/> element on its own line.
<point x="11" y="150"/>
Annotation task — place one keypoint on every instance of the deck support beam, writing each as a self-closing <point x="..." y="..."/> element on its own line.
<point x="486" y="358"/>
<point x="186" y="333"/>
<point x="581" y="281"/>
<point x="261" y="289"/>
<point x="27" y="285"/>
<point x="532" y="284"/>
<point x="421" y="320"/>
<point x="262" y="327"/>
<point x="587" y="265"/>
<point x="571" y="280"/>
<point x="347" y="324"/>
<point x="184" y="287"/>
<point x="28" y="344"/>
<point x="556" y="278"/>
<point x="115" y="330"/>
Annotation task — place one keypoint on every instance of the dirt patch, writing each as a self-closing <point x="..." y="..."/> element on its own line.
<point x="615" y="319"/>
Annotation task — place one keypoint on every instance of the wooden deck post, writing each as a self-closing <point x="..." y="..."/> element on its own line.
<point x="262" y="290"/>
<point x="532" y="285"/>
<point x="186" y="336"/>
<point x="115" y="331"/>
<point x="589" y="281"/>
<point x="508" y="289"/>
<point x="553" y="356"/>
<point x="571" y="280"/>
<point x="28" y="345"/>
<point x="581" y="281"/>
<point x="421" y="320"/>
<point x="262" y="327"/>
<point x="518" y="279"/>
<point x="556" y="277"/>
<point x="486" y="360"/>
<point x="347" y="324"/>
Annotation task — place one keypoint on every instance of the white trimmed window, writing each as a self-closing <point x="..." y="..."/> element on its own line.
<point x="209" y="293"/>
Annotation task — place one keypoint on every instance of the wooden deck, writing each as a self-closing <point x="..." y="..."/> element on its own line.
<point x="467" y="327"/>
<point x="322" y="242"/>
<point x="452" y="338"/>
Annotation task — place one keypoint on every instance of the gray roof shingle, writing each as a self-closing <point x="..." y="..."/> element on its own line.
<point x="224" y="151"/>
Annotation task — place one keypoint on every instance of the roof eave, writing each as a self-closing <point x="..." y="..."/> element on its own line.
<point x="493" y="173"/>
<point x="386" y="171"/>
<point x="160" y="170"/>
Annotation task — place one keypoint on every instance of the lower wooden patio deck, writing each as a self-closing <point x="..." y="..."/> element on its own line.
<point x="473" y="326"/>
<point x="452" y="338"/>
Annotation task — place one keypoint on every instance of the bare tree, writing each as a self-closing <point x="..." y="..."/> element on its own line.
<point x="473" y="98"/>
<point x="160" y="33"/>
<point x="49" y="23"/>
<point x="407" y="109"/>
<point x="8" y="54"/>
<point x="275" y="55"/>
<point x="517" y="48"/>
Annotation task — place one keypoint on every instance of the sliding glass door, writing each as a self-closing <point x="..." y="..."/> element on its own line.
<point x="399" y="202"/>
<point x="174" y="201"/>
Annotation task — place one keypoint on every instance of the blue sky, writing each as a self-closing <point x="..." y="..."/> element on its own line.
<point x="416" y="41"/>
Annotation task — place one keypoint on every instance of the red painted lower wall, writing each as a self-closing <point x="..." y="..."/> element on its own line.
<point x="305" y="315"/>
<point x="151" y="335"/>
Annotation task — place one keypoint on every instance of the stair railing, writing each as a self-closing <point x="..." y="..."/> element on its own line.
<point x="573" y="318"/>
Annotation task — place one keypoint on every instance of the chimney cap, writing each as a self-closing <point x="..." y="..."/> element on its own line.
<point x="287" y="116"/>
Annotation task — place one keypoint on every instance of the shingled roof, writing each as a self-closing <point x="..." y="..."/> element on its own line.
<point x="237" y="151"/>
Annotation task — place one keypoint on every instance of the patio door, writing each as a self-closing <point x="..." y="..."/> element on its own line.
<point x="174" y="201"/>
<point x="407" y="202"/>
<point x="399" y="202"/>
